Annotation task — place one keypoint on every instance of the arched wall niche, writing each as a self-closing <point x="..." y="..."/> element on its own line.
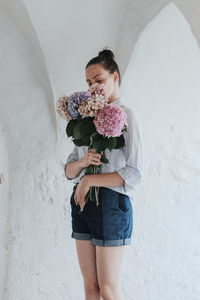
<point x="162" y="85"/>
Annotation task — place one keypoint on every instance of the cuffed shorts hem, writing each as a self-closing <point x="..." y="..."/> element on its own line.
<point x="81" y="236"/>
<point x="98" y="242"/>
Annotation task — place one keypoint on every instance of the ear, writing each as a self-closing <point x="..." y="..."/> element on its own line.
<point x="116" y="76"/>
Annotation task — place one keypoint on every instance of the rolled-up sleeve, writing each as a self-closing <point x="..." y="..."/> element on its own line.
<point x="132" y="173"/>
<point x="73" y="156"/>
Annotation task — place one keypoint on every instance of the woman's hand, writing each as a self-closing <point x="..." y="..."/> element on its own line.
<point x="91" y="158"/>
<point x="81" y="192"/>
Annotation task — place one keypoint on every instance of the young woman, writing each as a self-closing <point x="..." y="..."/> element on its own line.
<point x="101" y="231"/>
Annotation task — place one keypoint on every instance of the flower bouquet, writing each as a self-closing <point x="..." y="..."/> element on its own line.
<point x="95" y="123"/>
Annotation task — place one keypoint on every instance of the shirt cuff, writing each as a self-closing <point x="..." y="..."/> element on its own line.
<point x="131" y="176"/>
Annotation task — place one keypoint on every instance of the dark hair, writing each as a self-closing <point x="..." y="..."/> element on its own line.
<point x="107" y="59"/>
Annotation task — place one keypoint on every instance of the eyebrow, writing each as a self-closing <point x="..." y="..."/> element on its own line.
<point x="93" y="77"/>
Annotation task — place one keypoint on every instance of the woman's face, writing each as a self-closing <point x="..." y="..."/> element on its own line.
<point x="97" y="74"/>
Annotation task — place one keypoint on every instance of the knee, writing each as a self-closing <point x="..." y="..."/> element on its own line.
<point x="108" y="292"/>
<point x="92" y="288"/>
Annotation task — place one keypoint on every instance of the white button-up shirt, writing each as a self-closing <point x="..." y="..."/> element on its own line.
<point x="127" y="161"/>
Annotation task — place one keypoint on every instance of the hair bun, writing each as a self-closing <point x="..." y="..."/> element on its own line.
<point x="107" y="53"/>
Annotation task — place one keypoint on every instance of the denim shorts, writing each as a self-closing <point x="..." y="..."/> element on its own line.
<point x="108" y="224"/>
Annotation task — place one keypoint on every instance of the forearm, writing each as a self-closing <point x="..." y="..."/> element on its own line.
<point x="73" y="168"/>
<point x="104" y="179"/>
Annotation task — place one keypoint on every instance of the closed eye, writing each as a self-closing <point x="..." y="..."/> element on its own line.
<point x="98" y="81"/>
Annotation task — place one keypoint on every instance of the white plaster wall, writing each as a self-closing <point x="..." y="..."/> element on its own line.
<point x="162" y="82"/>
<point x="40" y="59"/>
<point x="4" y="208"/>
<point x="41" y="256"/>
<point x="33" y="215"/>
<point x="140" y="13"/>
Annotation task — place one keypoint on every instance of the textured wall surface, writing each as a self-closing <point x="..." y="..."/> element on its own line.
<point x="163" y="77"/>
<point x="40" y="60"/>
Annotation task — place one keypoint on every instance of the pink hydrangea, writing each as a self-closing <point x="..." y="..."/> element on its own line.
<point x="110" y="120"/>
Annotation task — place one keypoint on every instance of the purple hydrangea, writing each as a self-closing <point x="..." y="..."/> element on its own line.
<point x="74" y="100"/>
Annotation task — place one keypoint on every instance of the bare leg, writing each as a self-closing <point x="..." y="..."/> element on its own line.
<point x="108" y="261"/>
<point x="87" y="261"/>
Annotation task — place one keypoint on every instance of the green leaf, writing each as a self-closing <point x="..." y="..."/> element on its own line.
<point x="104" y="159"/>
<point x="112" y="141"/>
<point x="98" y="143"/>
<point x="120" y="142"/>
<point x="70" y="127"/>
<point x="84" y="128"/>
<point x="86" y="141"/>
<point x="77" y="142"/>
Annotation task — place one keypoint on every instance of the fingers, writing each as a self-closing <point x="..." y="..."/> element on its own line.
<point x="79" y="201"/>
<point x="94" y="162"/>
<point x="92" y="150"/>
<point x="94" y="153"/>
<point x="81" y="204"/>
<point x="94" y="159"/>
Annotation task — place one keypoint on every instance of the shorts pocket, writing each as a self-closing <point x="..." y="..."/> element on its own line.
<point x="123" y="203"/>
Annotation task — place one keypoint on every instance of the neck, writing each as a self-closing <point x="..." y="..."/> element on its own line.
<point x="114" y="97"/>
